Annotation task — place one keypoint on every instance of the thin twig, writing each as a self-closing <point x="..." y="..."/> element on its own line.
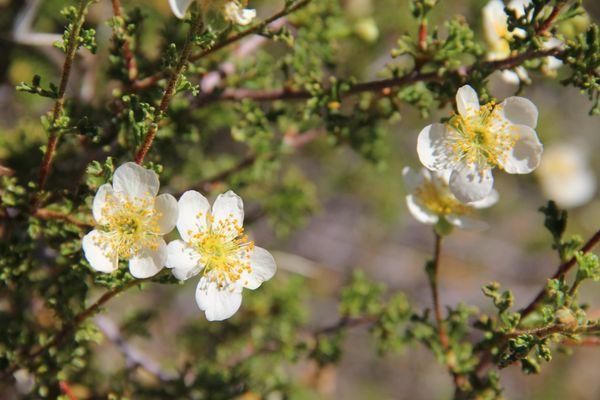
<point x="252" y="30"/>
<point x="237" y="94"/>
<point x="544" y="26"/>
<point x="71" y="52"/>
<point x="433" y="282"/>
<point x="66" y="389"/>
<point x="195" y="28"/>
<point x="562" y="270"/>
<point x="44" y="213"/>
<point x="130" y="61"/>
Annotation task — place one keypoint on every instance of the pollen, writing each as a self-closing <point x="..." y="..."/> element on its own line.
<point x="224" y="251"/>
<point x="130" y="225"/>
<point x="483" y="138"/>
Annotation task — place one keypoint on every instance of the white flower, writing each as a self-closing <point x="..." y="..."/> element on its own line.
<point x="565" y="175"/>
<point x="430" y="199"/>
<point x="495" y="25"/>
<point x="180" y="7"/>
<point x="213" y="242"/>
<point x="479" y="138"/>
<point x="232" y="11"/>
<point x="130" y="222"/>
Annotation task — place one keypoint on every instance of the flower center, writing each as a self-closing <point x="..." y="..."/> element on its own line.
<point x="483" y="138"/>
<point x="435" y="195"/>
<point x="130" y="225"/>
<point x="224" y="251"/>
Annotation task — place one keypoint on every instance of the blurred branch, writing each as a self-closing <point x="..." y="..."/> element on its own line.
<point x="433" y="282"/>
<point x="294" y="141"/>
<point x="252" y="30"/>
<point x="22" y="28"/>
<point x="44" y="213"/>
<point x="134" y="358"/>
<point x="238" y="94"/>
<point x="130" y="60"/>
<point x="69" y="327"/>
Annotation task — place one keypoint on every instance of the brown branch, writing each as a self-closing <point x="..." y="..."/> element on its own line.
<point x="252" y="30"/>
<point x="564" y="329"/>
<point x="562" y="270"/>
<point x="195" y="28"/>
<point x="237" y="94"/>
<point x="586" y="341"/>
<point x="433" y="283"/>
<point x="70" y="326"/>
<point x="44" y="213"/>
<point x="71" y="52"/>
<point x="544" y="26"/>
<point x="130" y="61"/>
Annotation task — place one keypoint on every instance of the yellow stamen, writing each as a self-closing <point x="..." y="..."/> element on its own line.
<point x="224" y="250"/>
<point x="484" y="138"/>
<point x="130" y="225"/>
<point x="435" y="195"/>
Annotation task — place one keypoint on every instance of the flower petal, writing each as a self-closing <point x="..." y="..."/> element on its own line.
<point x="99" y="257"/>
<point x="99" y="203"/>
<point x="217" y="303"/>
<point x="166" y="205"/>
<point x="420" y="212"/>
<point x="184" y="260"/>
<point x="487" y="201"/>
<point x="193" y="211"/>
<point x="263" y="268"/>
<point x="469" y="183"/>
<point x="228" y="206"/>
<point x="467" y="101"/>
<point x="135" y="181"/>
<point x="149" y="262"/>
<point x="520" y="111"/>
<point x="494" y="22"/>
<point x="180" y="7"/>
<point x="510" y="77"/>
<point x="412" y="179"/>
<point x="432" y="147"/>
<point x="526" y="154"/>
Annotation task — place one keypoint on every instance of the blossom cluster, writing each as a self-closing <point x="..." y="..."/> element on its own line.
<point x="132" y="220"/>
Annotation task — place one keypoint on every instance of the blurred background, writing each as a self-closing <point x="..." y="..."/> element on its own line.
<point x="360" y="219"/>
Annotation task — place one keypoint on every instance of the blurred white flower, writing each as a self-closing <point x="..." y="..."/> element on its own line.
<point x="430" y="199"/>
<point x="480" y="138"/>
<point x="130" y="223"/>
<point x="233" y="10"/>
<point x="213" y="242"/>
<point x="565" y="175"/>
<point x="498" y="37"/>
<point x="24" y="381"/>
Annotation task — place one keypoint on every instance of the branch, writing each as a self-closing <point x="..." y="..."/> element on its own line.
<point x="44" y="213"/>
<point x="562" y="270"/>
<point x="195" y="28"/>
<point x="252" y="30"/>
<point x="544" y="26"/>
<point x="433" y="283"/>
<point x="130" y="60"/>
<point x="60" y="101"/>
<point x="237" y="94"/>
<point x="134" y="357"/>
<point x="564" y="329"/>
<point x="69" y="327"/>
